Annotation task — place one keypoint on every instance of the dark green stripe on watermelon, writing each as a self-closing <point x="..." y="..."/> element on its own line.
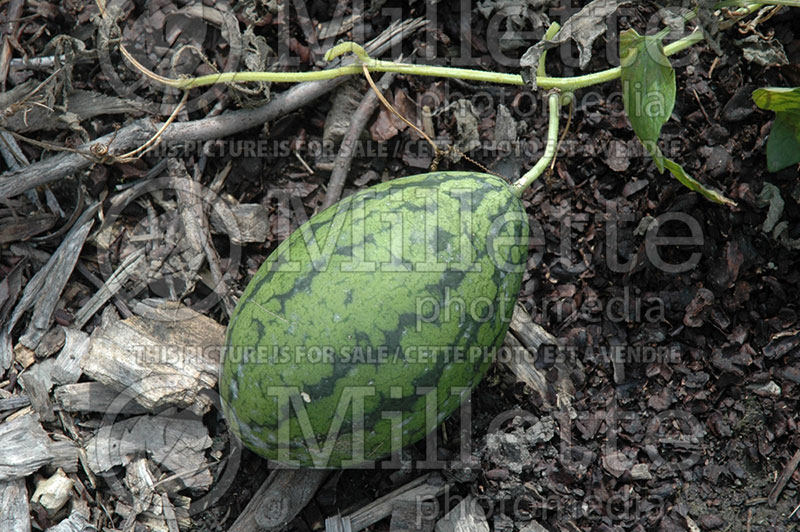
<point x="394" y="255"/>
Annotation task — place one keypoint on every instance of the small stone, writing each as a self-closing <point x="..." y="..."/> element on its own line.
<point x="641" y="472"/>
<point x="740" y="106"/>
<point x="717" y="161"/>
<point x="711" y="522"/>
<point x="53" y="493"/>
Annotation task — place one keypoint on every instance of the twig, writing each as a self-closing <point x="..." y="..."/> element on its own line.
<point x="196" y="228"/>
<point x="133" y="135"/>
<point x="279" y="499"/>
<point x="154" y="140"/>
<point x="217" y="110"/>
<point x="439" y="153"/>
<point x="571" y="98"/>
<point x="11" y="152"/>
<point x="344" y="159"/>
<point x="120" y="303"/>
<point x="791" y="515"/>
<point x="425" y="488"/>
<point x="390" y="107"/>
<point x="783" y="479"/>
<point x="44" y="289"/>
<point x="110" y="288"/>
<point x="38" y="63"/>
<point x="13" y="14"/>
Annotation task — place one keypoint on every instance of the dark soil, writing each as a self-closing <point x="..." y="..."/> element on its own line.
<point x="697" y="418"/>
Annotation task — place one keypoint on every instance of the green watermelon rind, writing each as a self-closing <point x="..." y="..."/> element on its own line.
<point x="324" y="297"/>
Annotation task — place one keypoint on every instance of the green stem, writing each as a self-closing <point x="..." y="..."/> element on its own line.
<point x="376" y="65"/>
<point x="533" y="174"/>
<point x="579" y="82"/>
<point x="742" y="3"/>
<point x="275" y="77"/>
<point x="549" y="34"/>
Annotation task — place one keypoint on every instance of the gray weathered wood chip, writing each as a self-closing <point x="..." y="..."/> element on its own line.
<point x="168" y="356"/>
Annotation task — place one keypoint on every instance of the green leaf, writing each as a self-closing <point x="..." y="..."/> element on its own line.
<point x="783" y="144"/>
<point x="777" y="98"/>
<point x="648" y="88"/>
<point x="689" y="182"/>
<point x="648" y="94"/>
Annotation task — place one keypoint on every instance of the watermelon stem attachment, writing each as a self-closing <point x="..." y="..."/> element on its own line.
<point x="553" y="104"/>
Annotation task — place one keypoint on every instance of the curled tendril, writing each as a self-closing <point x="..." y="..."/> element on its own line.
<point x="348" y="47"/>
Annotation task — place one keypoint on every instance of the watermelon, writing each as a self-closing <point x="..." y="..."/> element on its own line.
<point x="371" y="323"/>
